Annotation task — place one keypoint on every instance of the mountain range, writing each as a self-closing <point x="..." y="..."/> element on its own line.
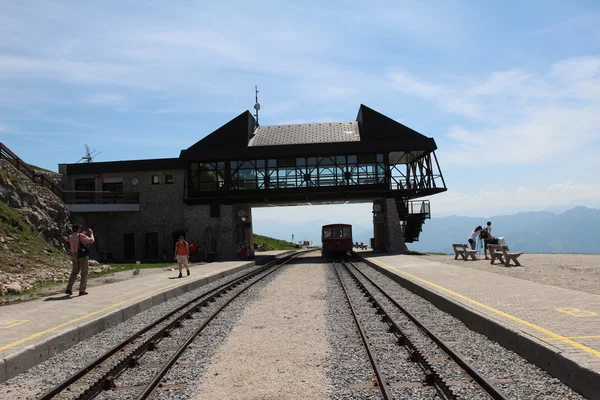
<point x="573" y="231"/>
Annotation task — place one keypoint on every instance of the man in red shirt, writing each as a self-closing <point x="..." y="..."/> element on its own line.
<point x="182" y="255"/>
<point x="80" y="262"/>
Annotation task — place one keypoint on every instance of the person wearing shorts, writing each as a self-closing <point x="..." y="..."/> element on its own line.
<point x="182" y="255"/>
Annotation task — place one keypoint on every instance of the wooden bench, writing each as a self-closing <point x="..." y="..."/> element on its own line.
<point x="503" y="255"/>
<point x="463" y="251"/>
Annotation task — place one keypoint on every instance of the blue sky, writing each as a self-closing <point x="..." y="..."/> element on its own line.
<point x="509" y="90"/>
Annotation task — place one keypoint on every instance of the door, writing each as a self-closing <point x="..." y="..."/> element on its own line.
<point x="152" y="245"/>
<point x="129" y="246"/>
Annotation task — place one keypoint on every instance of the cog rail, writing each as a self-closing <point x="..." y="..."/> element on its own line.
<point x="127" y="354"/>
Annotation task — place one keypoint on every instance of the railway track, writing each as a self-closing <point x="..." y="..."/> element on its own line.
<point x="178" y="328"/>
<point x="377" y="315"/>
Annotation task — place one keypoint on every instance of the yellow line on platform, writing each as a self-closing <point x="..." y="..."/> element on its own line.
<point x="573" y="337"/>
<point x="547" y="332"/>
<point x="13" y="344"/>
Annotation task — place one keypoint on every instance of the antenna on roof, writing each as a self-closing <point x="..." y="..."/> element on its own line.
<point x="256" y="105"/>
<point x="89" y="155"/>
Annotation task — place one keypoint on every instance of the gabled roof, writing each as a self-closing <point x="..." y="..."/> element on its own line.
<point x="376" y="126"/>
<point x="372" y="132"/>
<point x="234" y="134"/>
<point x="329" y="132"/>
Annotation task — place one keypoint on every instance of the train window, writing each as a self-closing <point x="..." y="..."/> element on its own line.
<point x="337" y="232"/>
<point x="326" y="232"/>
<point x="347" y="232"/>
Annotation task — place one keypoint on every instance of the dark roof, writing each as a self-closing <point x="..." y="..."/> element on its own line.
<point x="159" y="164"/>
<point x="238" y="139"/>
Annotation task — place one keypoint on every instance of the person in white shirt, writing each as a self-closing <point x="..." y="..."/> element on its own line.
<point x="474" y="236"/>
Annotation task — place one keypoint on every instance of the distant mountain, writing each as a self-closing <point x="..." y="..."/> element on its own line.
<point x="573" y="231"/>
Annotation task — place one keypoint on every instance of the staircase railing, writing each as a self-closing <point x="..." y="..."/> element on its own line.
<point x="37" y="178"/>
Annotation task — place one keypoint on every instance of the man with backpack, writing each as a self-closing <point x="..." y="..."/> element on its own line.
<point x="182" y="255"/>
<point x="80" y="258"/>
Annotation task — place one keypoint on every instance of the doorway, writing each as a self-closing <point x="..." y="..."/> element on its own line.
<point x="152" y="246"/>
<point x="129" y="246"/>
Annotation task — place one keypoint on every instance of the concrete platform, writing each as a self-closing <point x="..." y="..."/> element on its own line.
<point x="35" y="331"/>
<point x="554" y="328"/>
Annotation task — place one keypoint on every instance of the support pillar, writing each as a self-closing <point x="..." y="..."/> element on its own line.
<point x="388" y="234"/>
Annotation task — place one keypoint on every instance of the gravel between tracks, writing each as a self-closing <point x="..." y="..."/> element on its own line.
<point x="278" y="347"/>
<point x="569" y="271"/>
<point x="527" y="381"/>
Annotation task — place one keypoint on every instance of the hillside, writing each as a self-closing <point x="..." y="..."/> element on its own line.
<point x="33" y="228"/>
<point x="272" y="244"/>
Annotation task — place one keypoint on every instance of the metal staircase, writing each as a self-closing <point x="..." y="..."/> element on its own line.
<point x="412" y="215"/>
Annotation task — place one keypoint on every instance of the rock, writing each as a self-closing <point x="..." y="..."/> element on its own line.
<point x="13" y="287"/>
<point x="93" y="263"/>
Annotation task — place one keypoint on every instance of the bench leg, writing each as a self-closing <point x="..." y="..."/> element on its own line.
<point x="517" y="263"/>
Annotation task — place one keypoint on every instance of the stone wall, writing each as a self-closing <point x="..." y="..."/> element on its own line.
<point x="395" y="235"/>
<point x="162" y="217"/>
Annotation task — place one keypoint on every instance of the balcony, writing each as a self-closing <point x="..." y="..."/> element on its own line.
<point x="79" y="201"/>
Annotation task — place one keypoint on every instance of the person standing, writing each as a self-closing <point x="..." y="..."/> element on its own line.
<point x="80" y="259"/>
<point x="182" y="255"/>
<point x="487" y="238"/>
<point x="474" y="236"/>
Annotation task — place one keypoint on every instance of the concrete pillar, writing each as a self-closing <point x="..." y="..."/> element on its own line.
<point x="388" y="233"/>
<point x="395" y="234"/>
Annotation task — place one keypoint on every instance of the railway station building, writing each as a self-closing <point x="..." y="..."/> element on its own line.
<point x="138" y="208"/>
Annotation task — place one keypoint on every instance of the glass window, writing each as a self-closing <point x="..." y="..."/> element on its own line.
<point x="337" y="232"/>
<point x="155" y="180"/>
<point x="116" y="187"/>
<point x="326" y="233"/>
<point x="169" y="178"/>
<point x="347" y="231"/>
<point x="85" y="185"/>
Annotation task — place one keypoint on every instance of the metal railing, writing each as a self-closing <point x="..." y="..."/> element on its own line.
<point x="413" y="207"/>
<point x="86" y="197"/>
<point x="38" y="178"/>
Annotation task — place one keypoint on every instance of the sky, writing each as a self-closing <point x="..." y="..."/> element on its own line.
<point x="510" y="91"/>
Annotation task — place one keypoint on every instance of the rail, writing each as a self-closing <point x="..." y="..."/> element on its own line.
<point x="38" y="178"/>
<point x="126" y="354"/>
<point x="413" y="207"/>
<point x="490" y="389"/>
<point x="102" y="197"/>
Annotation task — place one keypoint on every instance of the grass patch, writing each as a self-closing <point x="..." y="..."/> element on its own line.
<point x="275" y="244"/>
<point x="10" y="178"/>
<point x="36" y="168"/>
<point x="118" y="267"/>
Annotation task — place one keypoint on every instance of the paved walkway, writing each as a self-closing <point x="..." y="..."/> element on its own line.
<point x="567" y="321"/>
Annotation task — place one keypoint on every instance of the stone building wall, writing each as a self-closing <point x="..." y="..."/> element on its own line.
<point x="162" y="217"/>
<point x="395" y="234"/>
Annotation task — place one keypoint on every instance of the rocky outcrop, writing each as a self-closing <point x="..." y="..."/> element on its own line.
<point x="45" y="213"/>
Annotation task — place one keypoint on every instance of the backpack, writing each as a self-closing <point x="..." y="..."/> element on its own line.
<point x="82" y="250"/>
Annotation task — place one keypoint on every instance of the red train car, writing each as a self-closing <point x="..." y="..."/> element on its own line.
<point x="336" y="239"/>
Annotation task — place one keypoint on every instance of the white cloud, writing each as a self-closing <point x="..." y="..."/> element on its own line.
<point x="522" y="117"/>
<point x="494" y="200"/>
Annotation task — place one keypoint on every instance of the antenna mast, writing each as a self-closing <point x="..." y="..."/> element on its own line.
<point x="256" y="104"/>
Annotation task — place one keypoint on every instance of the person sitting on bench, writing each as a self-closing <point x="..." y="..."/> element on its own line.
<point x="474" y="236"/>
